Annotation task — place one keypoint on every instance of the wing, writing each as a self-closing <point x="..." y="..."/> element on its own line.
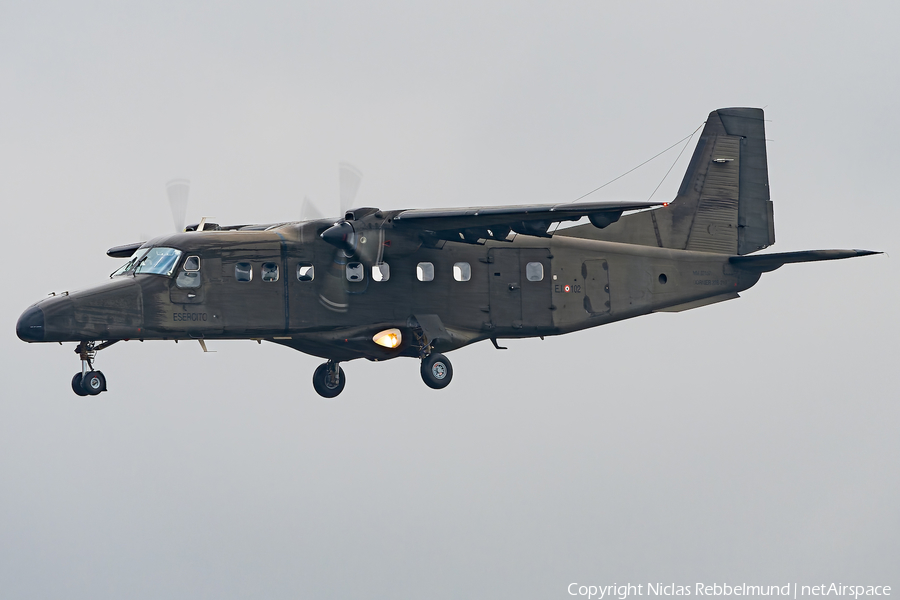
<point x="495" y="222"/>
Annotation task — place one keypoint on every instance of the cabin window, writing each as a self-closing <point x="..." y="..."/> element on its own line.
<point x="269" y="271"/>
<point x="306" y="272"/>
<point x="355" y="271"/>
<point x="189" y="276"/>
<point x="243" y="272"/>
<point x="425" y="271"/>
<point x="381" y="272"/>
<point x="534" y="271"/>
<point x="462" y="271"/>
<point x="192" y="263"/>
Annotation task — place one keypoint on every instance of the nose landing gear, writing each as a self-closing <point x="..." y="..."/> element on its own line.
<point x="76" y="384"/>
<point x="329" y="379"/>
<point x="89" y="382"/>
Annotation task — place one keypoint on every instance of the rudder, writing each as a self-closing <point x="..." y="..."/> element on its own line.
<point x="756" y="221"/>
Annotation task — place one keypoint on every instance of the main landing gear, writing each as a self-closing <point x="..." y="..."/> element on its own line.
<point x="329" y="379"/>
<point x="89" y="382"/>
<point x="436" y="371"/>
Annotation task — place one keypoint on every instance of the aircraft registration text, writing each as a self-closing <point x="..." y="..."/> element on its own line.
<point x="567" y="288"/>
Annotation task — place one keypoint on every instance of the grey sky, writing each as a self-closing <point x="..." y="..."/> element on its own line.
<point x="751" y="441"/>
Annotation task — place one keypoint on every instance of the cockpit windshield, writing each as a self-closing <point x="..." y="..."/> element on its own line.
<point x="158" y="261"/>
<point x="127" y="267"/>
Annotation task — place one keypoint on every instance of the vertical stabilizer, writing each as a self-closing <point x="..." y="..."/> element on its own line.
<point x="723" y="203"/>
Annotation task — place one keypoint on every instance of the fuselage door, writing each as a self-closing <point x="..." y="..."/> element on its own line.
<point x="537" y="288"/>
<point x="192" y="292"/>
<point x="506" y="288"/>
<point x="187" y="285"/>
<point x="253" y="294"/>
<point x="520" y="289"/>
<point x="595" y="273"/>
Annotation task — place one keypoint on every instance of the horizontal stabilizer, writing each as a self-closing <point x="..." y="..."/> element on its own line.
<point x="764" y="263"/>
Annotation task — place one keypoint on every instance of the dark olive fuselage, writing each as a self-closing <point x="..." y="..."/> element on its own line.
<point x="381" y="284"/>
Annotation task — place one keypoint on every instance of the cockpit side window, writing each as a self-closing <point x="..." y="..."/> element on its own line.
<point x="189" y="276"/>
<point x="158" y="261"/>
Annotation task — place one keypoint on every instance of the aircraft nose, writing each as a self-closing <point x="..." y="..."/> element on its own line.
<point x="30" y="327"/>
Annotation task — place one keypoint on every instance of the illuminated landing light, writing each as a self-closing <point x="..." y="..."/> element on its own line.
<point x="389" y="338"/>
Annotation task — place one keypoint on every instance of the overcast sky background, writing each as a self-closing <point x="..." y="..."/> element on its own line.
<point x="751" y="441"/>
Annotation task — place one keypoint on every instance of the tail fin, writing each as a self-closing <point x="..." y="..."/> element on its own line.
<point x="723" y="203"/>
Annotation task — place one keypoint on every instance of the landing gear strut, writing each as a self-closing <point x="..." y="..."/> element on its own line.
<point x="89" y="382"/>
<point x="329" y="379"/>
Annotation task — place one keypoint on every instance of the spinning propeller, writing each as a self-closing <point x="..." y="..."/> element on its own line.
<point x="178" y="190"/>
<point x="349" y="180"/>
<point x="355" y="252"/>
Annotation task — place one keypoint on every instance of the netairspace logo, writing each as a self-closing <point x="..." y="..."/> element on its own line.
<point x="791" y="590"/>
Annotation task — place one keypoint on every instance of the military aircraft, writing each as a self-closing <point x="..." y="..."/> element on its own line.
<point x="379" y="284"/>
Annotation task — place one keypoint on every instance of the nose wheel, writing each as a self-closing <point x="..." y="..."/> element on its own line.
<point x="76" y="384"/>
<point x="329" y="379"/>
<point x="89" y="382"/>
<point x="436" y="371"/>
